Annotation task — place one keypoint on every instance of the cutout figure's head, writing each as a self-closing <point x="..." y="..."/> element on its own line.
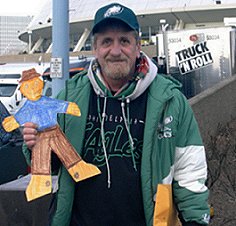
<point x="31" y="84"/>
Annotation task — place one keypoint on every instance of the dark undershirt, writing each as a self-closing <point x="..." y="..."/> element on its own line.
<point x="120" y="205"/>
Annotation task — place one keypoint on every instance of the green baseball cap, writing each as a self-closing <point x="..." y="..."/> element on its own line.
<point x="116" y="11"/>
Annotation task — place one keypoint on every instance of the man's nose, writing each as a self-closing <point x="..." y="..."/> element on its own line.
<point x="116" y="49"/>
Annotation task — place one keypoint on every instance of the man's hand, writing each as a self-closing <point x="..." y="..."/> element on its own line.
<point x="30" y="134"/>
<point x="73" y="109"/>
<point x="9" y="123"/>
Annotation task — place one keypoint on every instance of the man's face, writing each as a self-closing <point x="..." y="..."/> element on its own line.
<point x="116" y="51"/>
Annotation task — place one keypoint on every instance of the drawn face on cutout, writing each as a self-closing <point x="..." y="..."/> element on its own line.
<point x="32" y="89"/>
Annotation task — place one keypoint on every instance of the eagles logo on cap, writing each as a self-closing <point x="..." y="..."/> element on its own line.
<point x="118" y="12"/>
<point x="114" y="10"/>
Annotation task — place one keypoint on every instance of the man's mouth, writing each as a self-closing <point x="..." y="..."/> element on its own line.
<point x="116" y="61"/>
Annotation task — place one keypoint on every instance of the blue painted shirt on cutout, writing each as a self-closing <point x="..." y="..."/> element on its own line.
<point x="42" y="112"/>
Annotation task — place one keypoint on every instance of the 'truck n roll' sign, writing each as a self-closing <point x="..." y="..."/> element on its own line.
<point x="194" y="57"/>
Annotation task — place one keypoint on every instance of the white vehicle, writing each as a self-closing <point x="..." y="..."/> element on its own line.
<point x="199" y="58"/>
<point x="10" y="74"/>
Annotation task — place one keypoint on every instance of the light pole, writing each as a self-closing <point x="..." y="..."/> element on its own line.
<point x="30" y="41"/>
<point x="60" y="47"/>
<point x="164" y="26"/>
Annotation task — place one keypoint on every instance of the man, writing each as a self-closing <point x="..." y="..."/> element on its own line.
<point x="138" y="128"/>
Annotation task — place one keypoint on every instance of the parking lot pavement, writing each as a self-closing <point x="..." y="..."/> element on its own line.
<point x="16" y="211"/>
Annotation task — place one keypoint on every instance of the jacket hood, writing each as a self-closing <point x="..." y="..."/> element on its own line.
<point x="139" y="86"/>
<point x="165" y="86"/>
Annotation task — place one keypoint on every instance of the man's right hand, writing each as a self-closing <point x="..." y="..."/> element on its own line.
<point x="30" y="134"/>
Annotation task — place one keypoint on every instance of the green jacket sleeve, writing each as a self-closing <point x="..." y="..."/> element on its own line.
<point x="190" y="192"/>
<point x="27" y="154"/>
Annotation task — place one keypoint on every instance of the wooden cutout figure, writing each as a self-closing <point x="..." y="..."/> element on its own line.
<point x="43" y="111"/>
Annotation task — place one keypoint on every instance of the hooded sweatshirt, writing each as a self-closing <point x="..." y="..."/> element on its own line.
<point x="113" y="142"/>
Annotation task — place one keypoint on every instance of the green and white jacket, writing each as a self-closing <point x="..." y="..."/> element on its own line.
<point x="173" y="153"/>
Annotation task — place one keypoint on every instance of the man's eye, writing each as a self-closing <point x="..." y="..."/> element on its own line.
<point x="125" y="41"/>
<point x="106" y="41"/>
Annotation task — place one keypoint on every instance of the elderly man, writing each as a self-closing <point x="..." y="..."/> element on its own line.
<point x="138" y="129"/>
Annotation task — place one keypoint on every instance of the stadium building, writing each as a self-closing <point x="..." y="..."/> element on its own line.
<point x="152" y="15"/>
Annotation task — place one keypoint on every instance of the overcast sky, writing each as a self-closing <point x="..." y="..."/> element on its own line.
<point x="20" y="7"/>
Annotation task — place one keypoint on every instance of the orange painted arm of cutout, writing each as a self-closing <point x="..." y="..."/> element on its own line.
<point x="73" y="109"/>
<point x="10" y="124"/>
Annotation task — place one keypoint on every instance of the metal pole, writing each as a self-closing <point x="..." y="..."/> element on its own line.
<point x="157" y="47"/>
<point x="150" y="34"/>
<point x="60" y="43"/>
<point x="164" y="26"/>
<point x="30" y="41"/>
<point x="165" y="45"/>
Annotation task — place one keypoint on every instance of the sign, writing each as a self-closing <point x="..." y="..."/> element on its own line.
<point x="194" y="57"/>
<point x="56" y="68"/>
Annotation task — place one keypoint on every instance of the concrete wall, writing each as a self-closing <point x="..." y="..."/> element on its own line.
<point x="215" y="106"/>
<point x="36" y="57"/>
<point x="215" y="111"/>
